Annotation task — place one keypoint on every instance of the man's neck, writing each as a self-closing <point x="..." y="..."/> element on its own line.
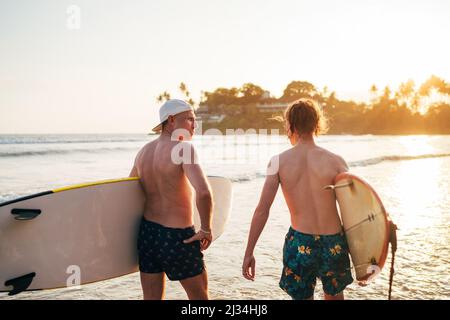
<point x="306" y="140"/>
<point x="165" y="135"/>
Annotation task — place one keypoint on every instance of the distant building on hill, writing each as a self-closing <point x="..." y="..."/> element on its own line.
<point x="202" y="114"/>
<point x="202" y="109"/>
<point x="265" y="95"/>
<point x="270" y="104"/>
<point x="272" y="107"/>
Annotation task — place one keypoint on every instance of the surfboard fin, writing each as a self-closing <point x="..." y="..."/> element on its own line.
<point x="25" y="214"/>
<point x="20" y="284"/>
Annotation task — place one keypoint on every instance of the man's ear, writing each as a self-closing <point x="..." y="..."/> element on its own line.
<point x="171" y="119"/>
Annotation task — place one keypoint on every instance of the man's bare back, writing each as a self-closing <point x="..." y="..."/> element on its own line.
<point x="167" y="189"/>
<point x="315" y="246"/>
<point x="168" y="244"/>
<point x="304" y="170"/>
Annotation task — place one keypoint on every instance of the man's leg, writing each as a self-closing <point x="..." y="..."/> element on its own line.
<point x="196" y="287"/>
<point x="153" y="285"/>
<point x="339" y="296"/>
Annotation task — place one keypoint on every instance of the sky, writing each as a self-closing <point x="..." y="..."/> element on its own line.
<point x="97" y="66"/>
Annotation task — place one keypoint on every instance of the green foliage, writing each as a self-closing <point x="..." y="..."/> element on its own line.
<point x="389" y="112"/>
<point x="298" y="89"/>
<point x="250" y="93"/>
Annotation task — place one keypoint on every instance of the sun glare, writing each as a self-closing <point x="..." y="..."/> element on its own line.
<point x="417" y="185"/>
<point x="417" y="145"/>
<point x="418" y="193"/>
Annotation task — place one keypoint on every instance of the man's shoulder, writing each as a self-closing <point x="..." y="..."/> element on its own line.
<point x="340" y="163"/>
<point x="164" y="144"/>
<point x="326" y="152"/>
<point x="283" y="156"/>
<point x="149" y="145"/>
<point x="148" y="149"/>
<point x="286" y="153"/>
<point x="329" y="156"/>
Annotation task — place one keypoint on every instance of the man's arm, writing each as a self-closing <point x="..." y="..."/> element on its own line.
<point x="259" y="220"/>
<point x="134" y="172"/>
<point x="203" y="197"/>
<point x="341" y="165"/>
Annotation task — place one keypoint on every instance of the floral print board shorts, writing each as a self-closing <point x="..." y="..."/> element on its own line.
<point x="307" y="257"/>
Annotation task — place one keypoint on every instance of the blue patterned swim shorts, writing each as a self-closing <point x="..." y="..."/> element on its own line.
<point x="161" y="249"/>
<point x="307" y="257"/>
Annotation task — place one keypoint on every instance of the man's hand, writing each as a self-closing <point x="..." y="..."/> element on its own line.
<point x="248" y="268"/>
<point x="362" y="283"/>
<point x="204" y="238"/>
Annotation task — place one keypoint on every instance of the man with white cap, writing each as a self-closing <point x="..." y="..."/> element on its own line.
<point x="167" y="242"/>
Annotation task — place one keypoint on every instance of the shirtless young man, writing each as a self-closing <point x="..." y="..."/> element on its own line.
<point x="315" y="246"/>
<point x="167" y="243"/>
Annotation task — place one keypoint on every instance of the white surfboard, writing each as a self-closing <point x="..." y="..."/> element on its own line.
<point x="81" y="234"/>
<point x="366" y="224"/>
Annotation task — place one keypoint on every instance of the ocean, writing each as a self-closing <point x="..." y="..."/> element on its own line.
<point x="410" y="173"/>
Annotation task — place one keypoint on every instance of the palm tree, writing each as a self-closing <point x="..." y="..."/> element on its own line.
<point x="187" y="94"/>
<point x="374" y="95"/>
<point x="387" y="93"/>
<point x="373" y="90"/>
<point x="183" y="89"/>
<point x="166" y="95"/>
<point x="163" y="97"/>
<point x="405" y="94"/>
<point x="432" y="91"/>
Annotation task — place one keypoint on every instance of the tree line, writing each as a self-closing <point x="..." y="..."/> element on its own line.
<point x="410" y="109"/>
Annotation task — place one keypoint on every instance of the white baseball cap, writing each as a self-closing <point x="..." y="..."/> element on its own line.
<point x="170" y="108"/>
